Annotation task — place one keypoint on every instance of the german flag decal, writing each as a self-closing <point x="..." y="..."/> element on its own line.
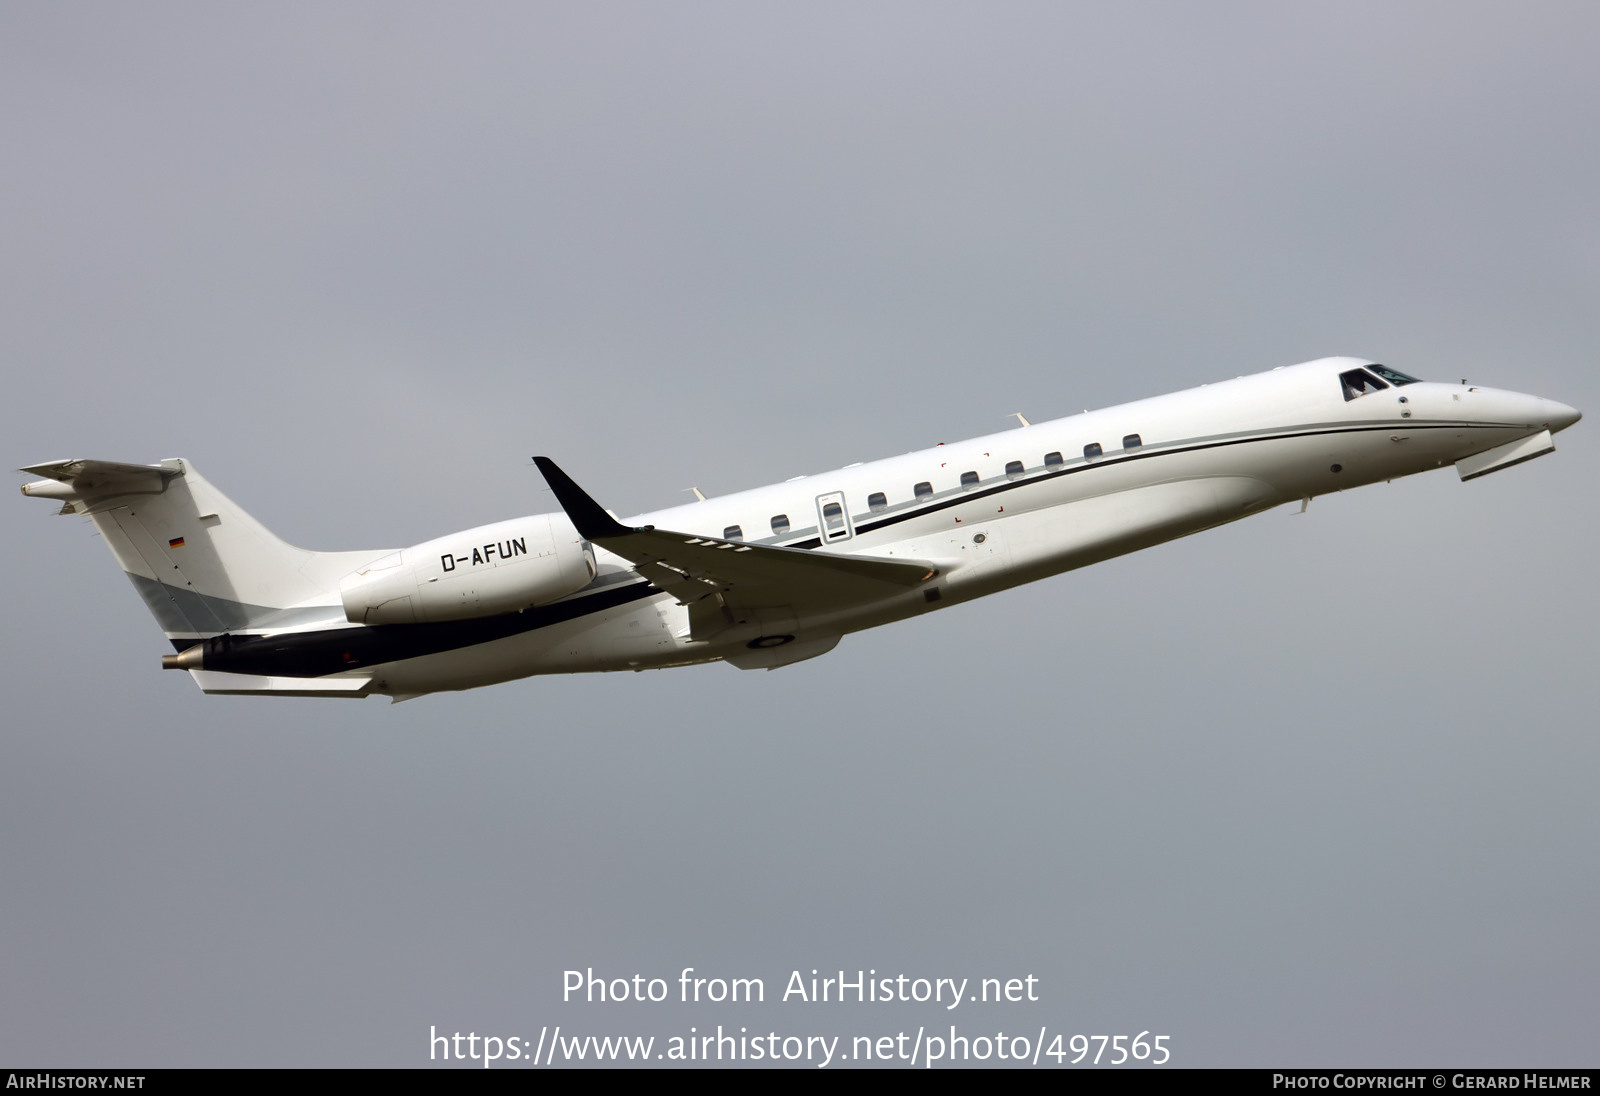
<point x="175" y="542"/>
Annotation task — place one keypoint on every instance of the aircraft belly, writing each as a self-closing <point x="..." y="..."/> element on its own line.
<point x="1050" y="541"/>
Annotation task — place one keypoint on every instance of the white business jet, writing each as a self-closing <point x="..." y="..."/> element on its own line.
<point x="774" y="575"/>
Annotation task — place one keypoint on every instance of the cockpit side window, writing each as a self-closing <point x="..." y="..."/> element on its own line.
<point x="1393" y="376"/>
<point x="1358" y="382"/>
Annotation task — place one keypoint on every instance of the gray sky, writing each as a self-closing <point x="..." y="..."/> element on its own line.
<point x="1301" y="791"/>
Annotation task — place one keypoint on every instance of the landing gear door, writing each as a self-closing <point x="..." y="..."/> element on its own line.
<point x="833" y="517"/>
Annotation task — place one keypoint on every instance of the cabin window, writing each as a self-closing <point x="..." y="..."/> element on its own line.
<point x="1393" y="376"/>
<point x="969" y="480"/>
<point x="923" y="490"/>
<point x="1358" y="382"/>
<point x="832" y="517"/>
<point x="1092" y="450"/>
<point x="780" y="524"/>
<point x="733" y="532"/>
<point x="877" y="501"/>
<point x="1053" y="460"/>
<point x="1013" y="469"/>
<point x="1132" y="441"/>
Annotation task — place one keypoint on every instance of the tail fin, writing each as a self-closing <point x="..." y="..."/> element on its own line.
<point x="202" y="565"/>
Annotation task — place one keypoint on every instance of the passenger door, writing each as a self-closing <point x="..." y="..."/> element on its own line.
<point x="833" y="518"/>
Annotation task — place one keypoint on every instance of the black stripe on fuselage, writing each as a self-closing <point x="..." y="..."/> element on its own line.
<point x="1128" y="456"/>
<point x="315" y="654"/>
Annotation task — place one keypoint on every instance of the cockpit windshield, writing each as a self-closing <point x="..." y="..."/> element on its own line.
<point x="1358" y="382"/>
<point x="1393" y="376"/>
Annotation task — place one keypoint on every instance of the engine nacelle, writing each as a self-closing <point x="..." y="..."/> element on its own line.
<point x="486" y="571"/>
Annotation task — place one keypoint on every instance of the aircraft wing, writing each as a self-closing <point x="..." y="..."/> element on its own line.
<point x="692" y="568"/>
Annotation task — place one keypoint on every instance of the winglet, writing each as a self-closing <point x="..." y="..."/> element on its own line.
<point x="592" y="522"/>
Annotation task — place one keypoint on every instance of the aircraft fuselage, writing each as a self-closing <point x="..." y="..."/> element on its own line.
<point x="1201" y="458"/>
<point x="724" y="578"/>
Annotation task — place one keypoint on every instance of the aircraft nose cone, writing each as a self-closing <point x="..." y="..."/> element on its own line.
<point x="1561" y="416"/>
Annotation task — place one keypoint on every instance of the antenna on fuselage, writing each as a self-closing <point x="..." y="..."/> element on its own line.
<point x="697" y="493"/>
<point x="1022" y="418"/>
